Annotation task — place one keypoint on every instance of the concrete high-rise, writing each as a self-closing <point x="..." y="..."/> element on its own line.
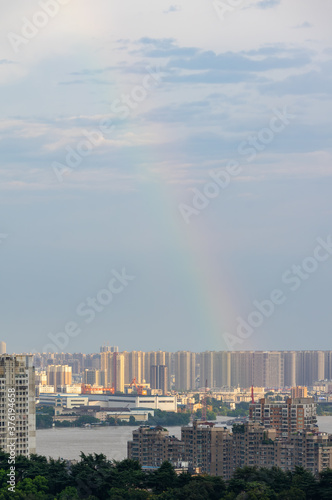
<point x="92" y="377"/>
<point x="290" y="368"/>
<point x="3" y="347"/>
<point x="112" y="368"/>
<point x="59" y="375"/>
<point x="17" y="405"/>
<point x="286" y="417"/>
<point x="207" y="369"/>
<point x="222" y="369"/>
<point x="151" y="446"/>
<point x="184" y="370"/>
<point x="153" y="358"/>
<point x="158" y="378"/>
<point x="241" y="368"/>
<point x="136" y="360"/>
<point x="299" y="392"/>
<point x="109" y="348"/>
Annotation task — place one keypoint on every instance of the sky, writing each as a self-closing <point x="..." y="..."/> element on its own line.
<point x="165" y="177"/>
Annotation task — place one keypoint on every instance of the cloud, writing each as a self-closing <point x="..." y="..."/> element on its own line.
<point x="231" y="61"/>
<point x="312" y="82"/>
<point x="304" y="25"/>
<point x="172" y="8"/>
<point x="267" y="4"/>
<point x="6" y="61"/>
<point x="85" y="82"/>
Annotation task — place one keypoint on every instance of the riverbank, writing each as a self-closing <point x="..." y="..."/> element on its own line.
<point x="111" y="441"/>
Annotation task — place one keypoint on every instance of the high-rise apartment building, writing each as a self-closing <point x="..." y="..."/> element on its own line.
<point x="17" y="405"/>
<point x="222" y="369"/>
<point x="159" y="378"/>
<point x="327" y="365"/>
<point x="207" y="369"/>
<point x="299" y="392"/>
<point x="185" y="370"/>
<point x="153" y="358"/>
<point x="241" y="368"/>
<point x="217" y="451"/>
<point x="151" y="446"/>
<point x="59" y="375"/>
<point x="136" y="363"/>
<point x="112" y="370"/>
<point x="290" y="378"/>
<point x="92" y="377"/>
<point x="286" y="417"/>
<point x="312" y="450"/>
<point x="109" y="348"/>
<point x="208" y="448"/>
<point x="3" y="347"/>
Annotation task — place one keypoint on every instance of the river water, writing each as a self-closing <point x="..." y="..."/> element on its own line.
<point x="111" y="441"/>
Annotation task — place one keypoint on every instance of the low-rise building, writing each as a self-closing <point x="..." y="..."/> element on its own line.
<point x="164" y="403"/>
<point x="72" y="401"/>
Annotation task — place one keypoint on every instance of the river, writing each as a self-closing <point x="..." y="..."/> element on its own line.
<point x="111" y="441"/>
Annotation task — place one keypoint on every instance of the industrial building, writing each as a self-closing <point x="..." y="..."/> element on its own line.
<point x="164" y="403"/>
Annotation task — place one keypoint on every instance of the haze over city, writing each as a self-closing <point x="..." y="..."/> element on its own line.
<point x="166" y="172"/>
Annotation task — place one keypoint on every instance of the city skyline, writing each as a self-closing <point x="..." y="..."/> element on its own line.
<point x="187" y="371"/>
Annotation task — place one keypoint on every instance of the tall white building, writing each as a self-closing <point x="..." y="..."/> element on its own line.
<point x="3" y="347"/>
<point x="17" y="399"/>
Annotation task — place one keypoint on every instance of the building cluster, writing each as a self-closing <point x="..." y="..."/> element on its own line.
<point x="159" y="372"/>
<point x="284" y="435"/>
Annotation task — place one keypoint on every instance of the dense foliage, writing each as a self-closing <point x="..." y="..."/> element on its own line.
<point x="216" y="407"/>
<point x="168" y="418"/>
<point x="44" y="417"/>
<point x="96" y="478"/>
<point x="324" y="409"/>
<point x="45" y="414"/>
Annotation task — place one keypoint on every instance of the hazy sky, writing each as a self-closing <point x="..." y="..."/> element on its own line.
<point x="116" y="118"/>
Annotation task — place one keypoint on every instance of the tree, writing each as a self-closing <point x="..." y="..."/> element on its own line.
<point x="163" y="478"/>
<point x="93" y="475"/>
<point x="69" y="493"/>
<point x="305" y="481"/>
<point x="325" y="484"/>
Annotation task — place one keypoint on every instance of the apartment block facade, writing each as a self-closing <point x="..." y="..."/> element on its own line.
<point x="208" y="448"/>
<point x="59" y="375"/>
<point x="213" y="450"/>
<point x="17" y="404"/>
<point x="286" y="417"/>
<point x="151" y="446"/>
